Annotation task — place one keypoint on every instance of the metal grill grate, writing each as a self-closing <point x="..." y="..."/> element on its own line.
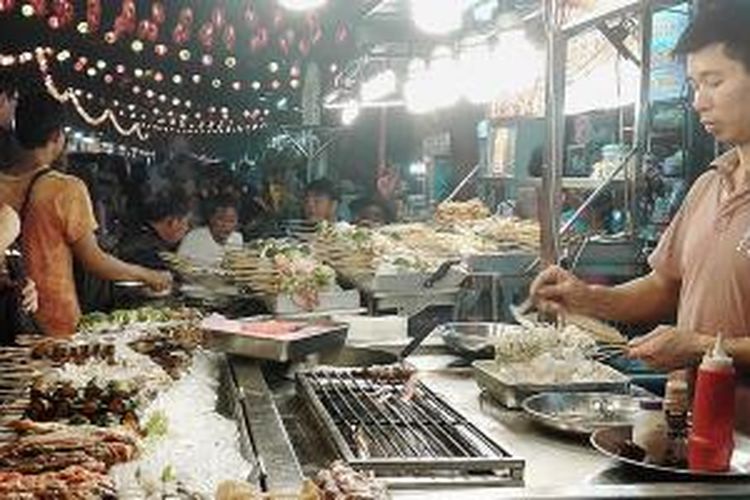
<point x="375" y="426"/>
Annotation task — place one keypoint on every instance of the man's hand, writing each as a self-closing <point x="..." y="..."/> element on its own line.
<point x="158" y="281"/>
<point x="556" y="291"/>
<point x="667" y="348"/>
<point x="29" y="297"/>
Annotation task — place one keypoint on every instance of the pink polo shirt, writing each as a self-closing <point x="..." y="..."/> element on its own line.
<point x="700" y="249"/>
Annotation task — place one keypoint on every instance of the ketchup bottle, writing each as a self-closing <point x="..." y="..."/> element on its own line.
<point x="711" y="439"/>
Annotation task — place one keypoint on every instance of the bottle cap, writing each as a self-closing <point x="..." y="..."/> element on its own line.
<point x="651" y="404"/>
<point x="716" y="357"/>
<point x="676" y="395"/>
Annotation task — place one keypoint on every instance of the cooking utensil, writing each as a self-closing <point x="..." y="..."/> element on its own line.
<point x="512" y="393"/>
<point x="440" y="273"/>
<point x="581" y="413"/>
<point x="520" y="311"/>
<point x="311" y="338"/>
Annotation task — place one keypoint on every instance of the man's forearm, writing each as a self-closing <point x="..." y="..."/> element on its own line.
<point x="107" y="267"/>
<point x="647" y="299"/>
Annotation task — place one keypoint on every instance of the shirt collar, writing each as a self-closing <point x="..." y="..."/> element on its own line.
<point x="726" y="165"/>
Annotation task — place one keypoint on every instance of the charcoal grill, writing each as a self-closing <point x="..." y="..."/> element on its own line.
<point x="417" y="440"/>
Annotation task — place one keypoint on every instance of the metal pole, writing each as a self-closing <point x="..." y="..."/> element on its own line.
<point x="464" y="182"/>
<point x="642" y="116"/>
<point x="597" y="192"/>
<point x="550" y="208"/>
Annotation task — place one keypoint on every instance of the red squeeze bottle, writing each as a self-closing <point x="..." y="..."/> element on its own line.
<point x="711" y="440"/>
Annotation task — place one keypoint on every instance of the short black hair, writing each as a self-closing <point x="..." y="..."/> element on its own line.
<point x="166" y="204"/>
<point x="724" y="22"/>
<point x="8" y="83"/>
<point x="222" y="201"/>
<point x="357" y="206"/>
<point x="322" y="187"/>
<point x="38" y="117"/>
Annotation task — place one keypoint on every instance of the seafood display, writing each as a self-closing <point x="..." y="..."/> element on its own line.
<point x="341" y="481"/>
<point x="273" y="267"/>
<point x="103" y="418"/>
<point x="63" y="461"/>
<point x="112" y="404"/>
<point x="459" y="211"/>
<point x="546" y="355"/>
<point x="518" y="344"/>
<point x="98" y="322"/>
<point x="361" y="253"/>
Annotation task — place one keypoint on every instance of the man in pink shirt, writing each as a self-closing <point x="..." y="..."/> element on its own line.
<point x="701" y="267"/>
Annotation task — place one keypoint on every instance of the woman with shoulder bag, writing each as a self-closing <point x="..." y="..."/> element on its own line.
<point x="16" y="299"/>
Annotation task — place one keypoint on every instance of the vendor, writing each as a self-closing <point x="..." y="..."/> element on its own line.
<point x="321" y="201"/>
<point x="166" y="221"/>
<point x="701" y="267"/>
<point x="205" y="246"/>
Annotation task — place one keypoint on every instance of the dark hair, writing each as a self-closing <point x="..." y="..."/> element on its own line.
<point x="220" y="202"/>
<point x="357" y="206"/>
<point x="322" y="187"/>
<point x="8" y="83"/>
<point x="38" y="117"/>
<point x="166" y="204"/>
<point x="725" y="22"/>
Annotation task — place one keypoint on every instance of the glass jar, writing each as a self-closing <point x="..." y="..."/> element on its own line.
<point x="650" y="430"/>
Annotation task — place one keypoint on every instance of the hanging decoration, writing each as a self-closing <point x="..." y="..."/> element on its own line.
<point x="7" y="5"/>
<point x="158" y="13"/>
<point x="93" y="15"/>
<point x="38" y="7"/>
<point x="125" y="22"/>
<point x="181" y="33"/>
<point x="63" y="13"/>
<point x="206" y="35"/>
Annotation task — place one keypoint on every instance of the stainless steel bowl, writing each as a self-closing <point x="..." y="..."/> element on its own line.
<point x="581" y="413"/>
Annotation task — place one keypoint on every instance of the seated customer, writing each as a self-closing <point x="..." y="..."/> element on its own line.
<point x="369" y="212"/>
<point x="205" y="246"/>
<point x="321" y="201"/>
<point x="165" y="223"/>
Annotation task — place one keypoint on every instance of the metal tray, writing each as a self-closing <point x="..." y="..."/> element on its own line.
<point x="320" y="336"/>
<point x="608" y="442"/>
<point x="581" y="413"/>
<point x="470" y="340"/>
<point x="512" y="394"/>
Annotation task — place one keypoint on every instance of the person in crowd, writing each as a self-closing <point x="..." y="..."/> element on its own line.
<point x="57" y="218"/>
<point x="321" y="201"/>
<point x="369" y="211"/>
<point x="205" y="246"/>
<point x="166" y="221"/>
<point x="9" y="148"/>
<point x="10" y="227"/>
<point x="701" y="267"/>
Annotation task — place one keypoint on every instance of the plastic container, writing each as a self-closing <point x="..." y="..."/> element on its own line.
<point x="711" y="439"/>
<point x="650" y="430"/>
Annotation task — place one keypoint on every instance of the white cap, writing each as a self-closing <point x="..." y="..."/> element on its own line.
<point x="716" y="357"/>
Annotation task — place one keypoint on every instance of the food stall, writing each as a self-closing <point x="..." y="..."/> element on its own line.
<point x="203" y="397"/>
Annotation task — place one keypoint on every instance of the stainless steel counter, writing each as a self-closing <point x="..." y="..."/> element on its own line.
<point x="557" y="466"/>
